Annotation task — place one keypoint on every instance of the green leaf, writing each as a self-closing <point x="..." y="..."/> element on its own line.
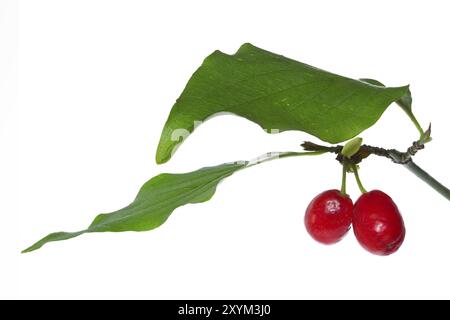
<point x="277" y="93"/>
<point x="156" y="200"/>
<point x="162" y="194"/>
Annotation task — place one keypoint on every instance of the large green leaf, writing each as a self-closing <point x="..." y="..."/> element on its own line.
<point x="156" y="200"/>
<point x="278" y="94"/>
<point x="161" y="195"/>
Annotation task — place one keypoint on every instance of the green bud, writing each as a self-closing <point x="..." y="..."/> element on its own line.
<point x="351" y="147"/>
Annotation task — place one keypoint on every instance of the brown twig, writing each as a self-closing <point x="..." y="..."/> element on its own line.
<point x="367" y="150"/>
<point x="404" y="158"/>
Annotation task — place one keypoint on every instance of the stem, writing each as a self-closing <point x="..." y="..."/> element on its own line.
<point x="358" y="180"/>
<point x="416" y="123"/>
<point x="403" y="158"/>
<point x="296" y="154"/>
<point x="269" y="156"/>
<point x="432" y="182"/>
<point x="344" y="179"/>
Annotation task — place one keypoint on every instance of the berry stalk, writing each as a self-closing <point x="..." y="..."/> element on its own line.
<point x="358" y="180"/>
<point x="344" y="179"/>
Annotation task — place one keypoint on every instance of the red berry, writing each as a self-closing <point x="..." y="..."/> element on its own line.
<point x="329" y="216"/>
<point x="377" y="223"/>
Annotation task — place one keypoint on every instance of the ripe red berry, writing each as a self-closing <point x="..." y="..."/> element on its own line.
<point x="377" y="223"/>
<point x="329" y="216"/>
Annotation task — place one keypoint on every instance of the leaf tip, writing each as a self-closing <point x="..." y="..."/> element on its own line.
<point x="34" y="247"/>
<point x="161" y="159"/>
<point x="57" y="236"/>
<point x="406" y="88"/>
<point x="27" y="250"/>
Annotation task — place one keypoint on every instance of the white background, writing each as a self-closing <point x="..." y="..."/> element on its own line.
<point x="85" y="89"/>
